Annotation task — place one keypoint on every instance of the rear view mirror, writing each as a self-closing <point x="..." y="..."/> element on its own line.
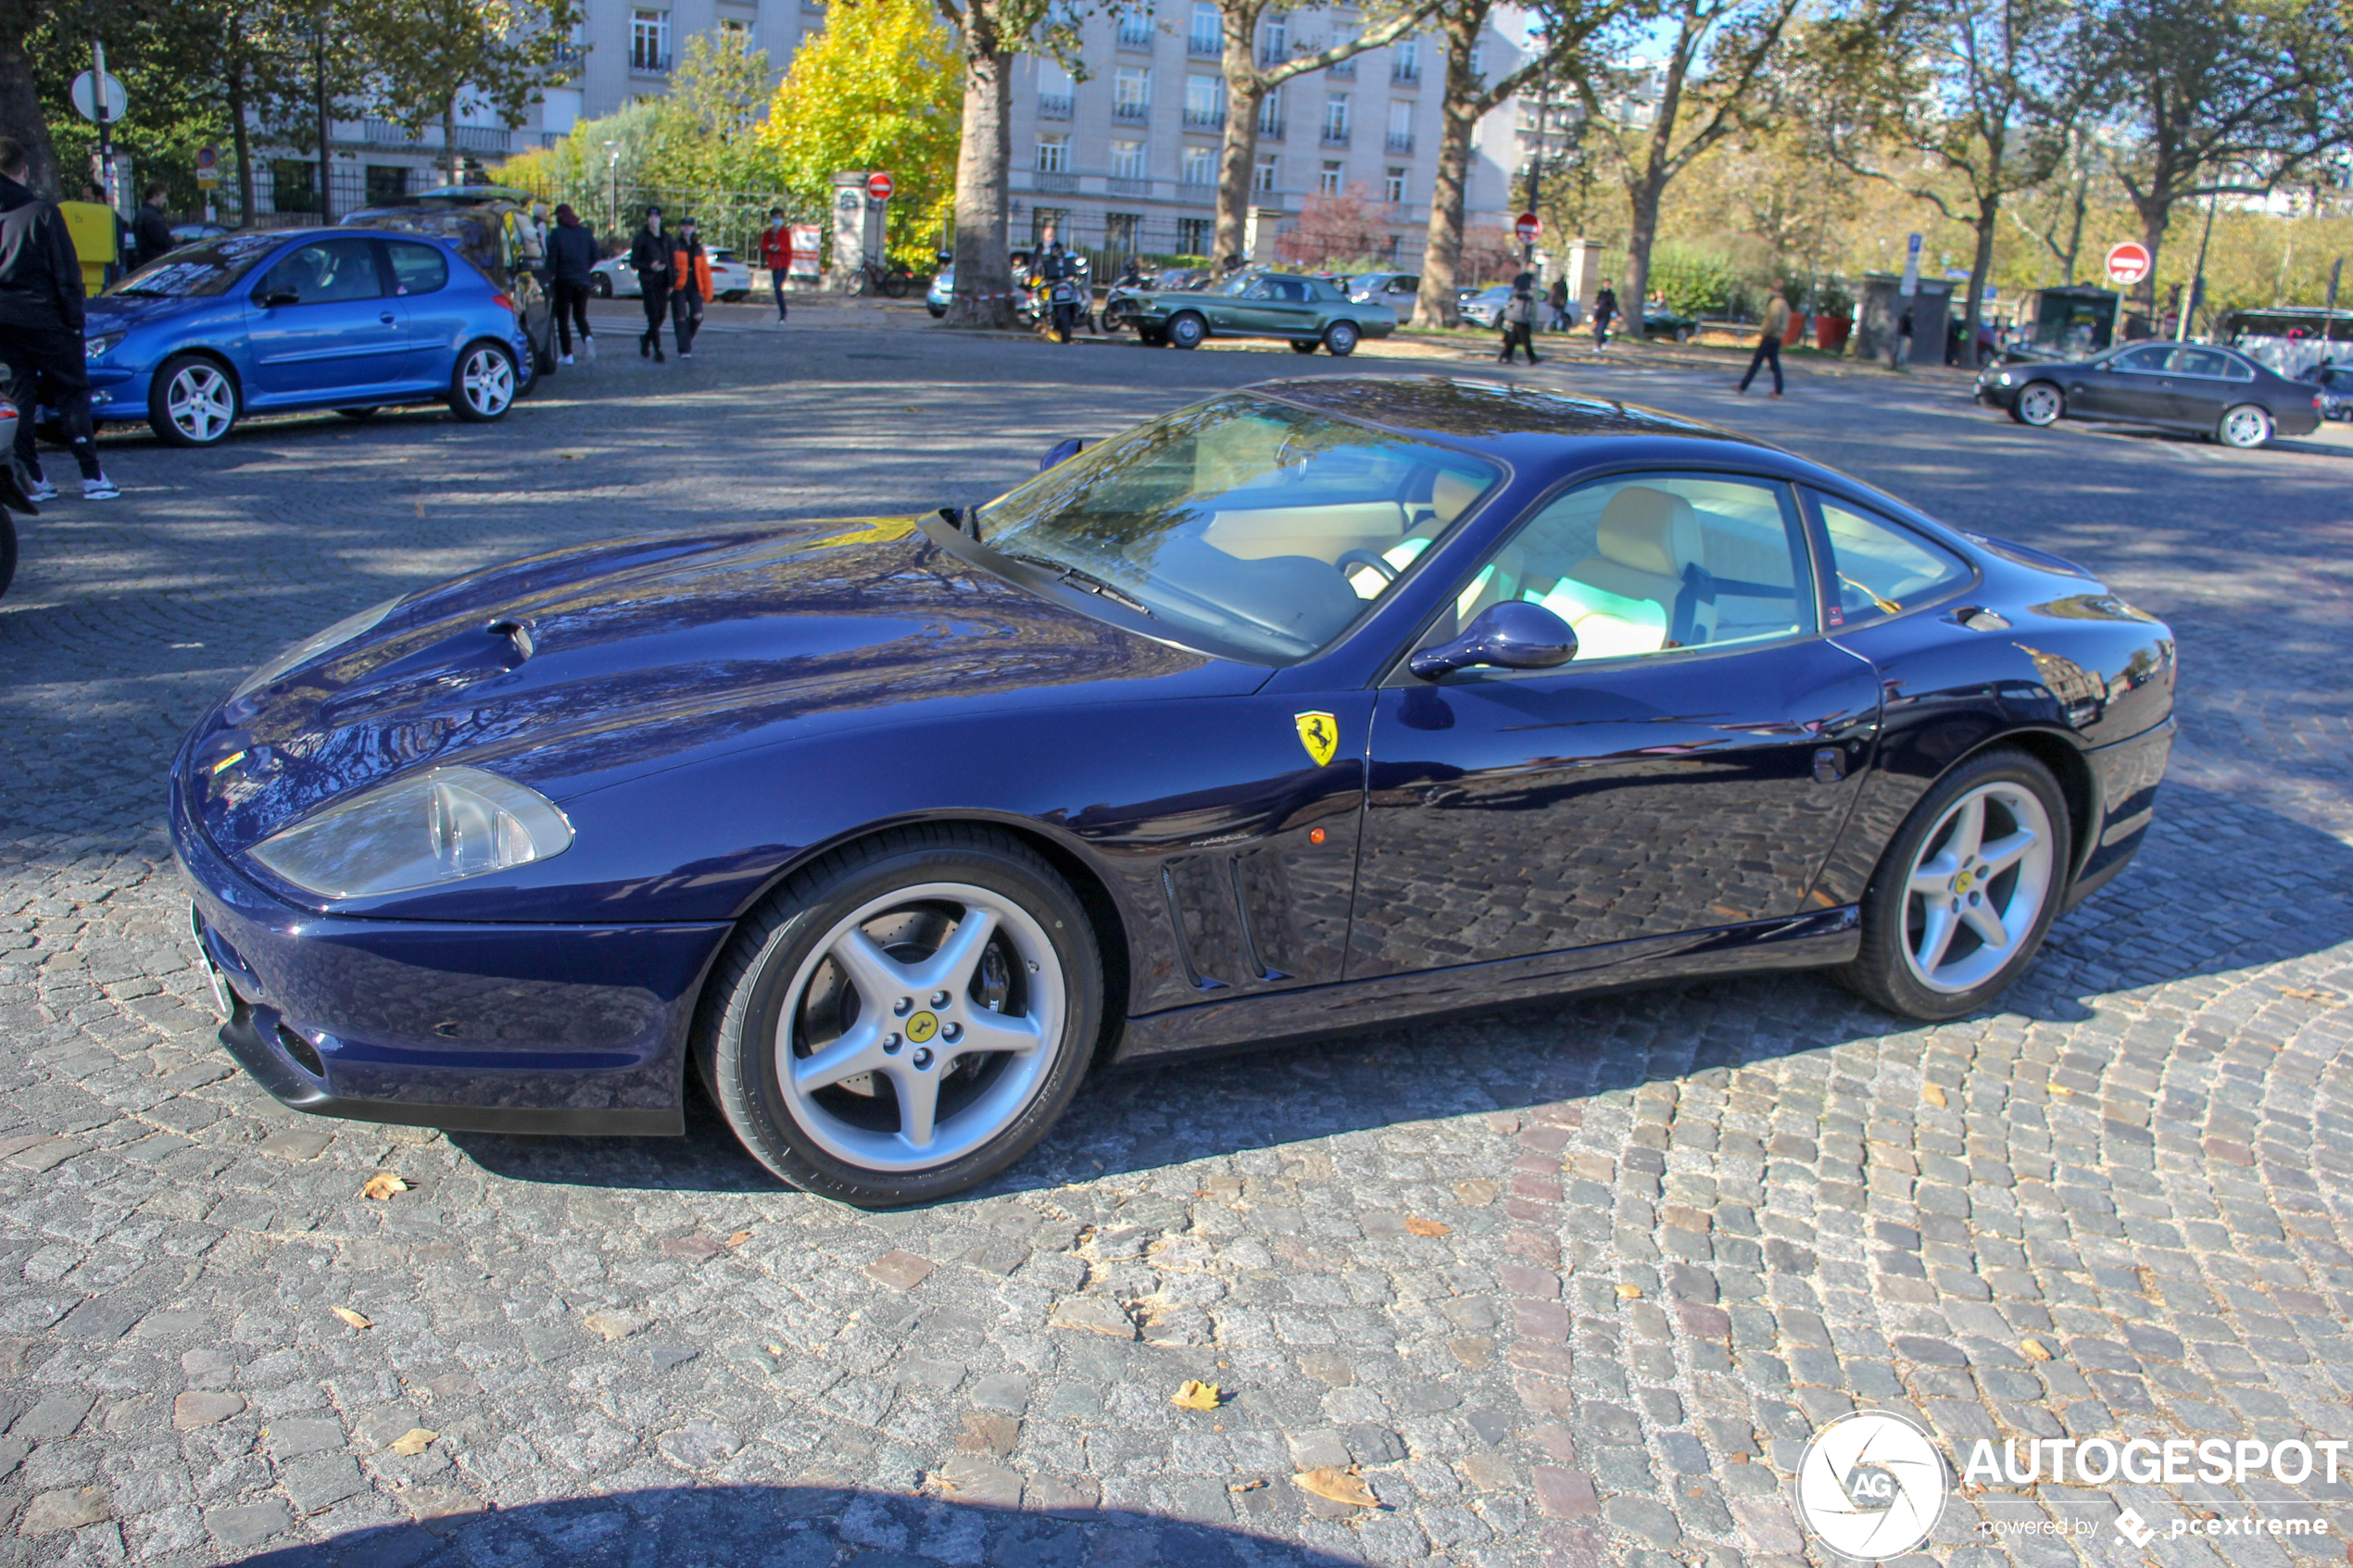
<point x="1060" y="452"/>
<point x="1513" y="635"/>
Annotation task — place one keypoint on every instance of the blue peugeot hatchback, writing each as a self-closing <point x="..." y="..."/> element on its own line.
<point x="264" y="323"/>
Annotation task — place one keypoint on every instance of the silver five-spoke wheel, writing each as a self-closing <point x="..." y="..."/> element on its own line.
<point x="1977" y="888"/>
<point x="191" y="402"/>
<point x="913" y="1032"/>
<point x="2039" y="402"/>
<point x="489" y="380"/>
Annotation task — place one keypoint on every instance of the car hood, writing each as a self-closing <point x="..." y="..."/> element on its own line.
<point x="578" y="670"/>
<point x="120" y="312"/>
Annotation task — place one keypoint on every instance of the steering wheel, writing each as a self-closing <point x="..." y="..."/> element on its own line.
<point x="1346" y="566"/>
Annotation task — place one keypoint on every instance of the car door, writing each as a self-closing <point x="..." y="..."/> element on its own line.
<point x="2131" y="385"/>
<point x="321" y="324"/>
<point x="2199" y="386"/>
<point x="1690" y="767"/>
<point x="1249" y="311"/>
<point x="436" y="313"/>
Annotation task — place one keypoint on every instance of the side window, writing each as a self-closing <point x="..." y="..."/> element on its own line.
<point x="2148" y="361"/>
<point x="324" y="273"/>
<point x="417" y="269"/>
<point x="1882" y="569"/>
<point x="1654" y="565"/>
<point x="2201" y="362"/>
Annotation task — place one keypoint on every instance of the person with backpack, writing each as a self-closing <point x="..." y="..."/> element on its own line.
<point x="1519" y="319"/>
<point x="1604" y="311"/>
<point x="775" y="253"/>
<point x="571" y="260"/>
<point x="690" y="286"/>
<point x="650" y="259"/>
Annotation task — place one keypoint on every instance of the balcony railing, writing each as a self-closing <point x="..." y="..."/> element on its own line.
<point x="649" y="62"/>
<point x="1057" y="180"/>
<point x="1270" y="130"/>
<point x="1128" y="185"/>
<point x="1201" y="46"/>
<point x="1335" y="135"/>
<point x="1204" y="120"/>
<point x="1135" y="32"/>
<point x="1135" y="111"/>
<point x="1401" y="142"/>
<point x="1197" y="191"/>
<point x="1055" y="106"/>
<point x="471" y="138"/>
<point x="1405" y="73"/>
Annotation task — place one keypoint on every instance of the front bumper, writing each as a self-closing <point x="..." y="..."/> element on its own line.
<point x="1994" y="397"/>
<point x="572" y="1029"/>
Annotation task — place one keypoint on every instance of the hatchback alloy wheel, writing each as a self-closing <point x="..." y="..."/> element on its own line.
<point x="485" y="383"/>
<point x="197" y="404"/>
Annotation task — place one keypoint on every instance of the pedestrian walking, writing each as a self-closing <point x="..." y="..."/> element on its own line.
<point x="649" y="258"/>
<point x="1556" y="301"/>
<point x="41" y="320"/>
<point x="1519" y="319"/>
<point x="151" y="230"/>
<point x="689" y="286"/>
<point x="1903" y="351"/>
<point x="1605" y="312"/>
<point x="571" y="261"/>
<point x="775" y="253"/>
<point x="1768" y="342"/>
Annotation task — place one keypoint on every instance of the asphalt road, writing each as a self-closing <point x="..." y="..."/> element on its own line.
<point x="1566" y="1284"/>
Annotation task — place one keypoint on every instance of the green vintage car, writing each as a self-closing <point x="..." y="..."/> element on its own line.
<point x="1306" y="311"/>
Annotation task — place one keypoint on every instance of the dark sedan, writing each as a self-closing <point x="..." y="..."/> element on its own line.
<point x="1322" y="705"/>
<point x="2218" y="392"/>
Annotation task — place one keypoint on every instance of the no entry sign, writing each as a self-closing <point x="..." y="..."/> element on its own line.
<point x="2129" y="262"/>
<point x="879" y="186"/>
<point x="1526" y="228"/>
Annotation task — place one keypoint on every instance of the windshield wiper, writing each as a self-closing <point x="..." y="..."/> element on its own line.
<point x="1084" y="580"/>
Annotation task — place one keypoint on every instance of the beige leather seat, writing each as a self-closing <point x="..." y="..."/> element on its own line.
<point x="1621" y="598"/>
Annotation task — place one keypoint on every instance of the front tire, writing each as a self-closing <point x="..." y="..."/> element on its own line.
<point x="1186" y="329"/>
<point x="1339" y="339"/>
<point x="483" y="387"/>
<point x="905" y="1018"/>
<point x="191" y="402"/>
<point x="895" y="284"/>
<point x="2244" y="427"/>
<point x="2038" y="404"/>
<point x="1963" y="898"/>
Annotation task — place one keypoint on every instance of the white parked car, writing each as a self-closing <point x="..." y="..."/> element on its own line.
<point x="614" y="278"/>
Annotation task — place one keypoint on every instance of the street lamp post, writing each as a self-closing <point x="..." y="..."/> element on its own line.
<point x="612" y="179"/>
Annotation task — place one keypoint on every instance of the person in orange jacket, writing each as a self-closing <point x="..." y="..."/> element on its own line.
<point x="775" y="253"/>
<point x="690" y="269"/>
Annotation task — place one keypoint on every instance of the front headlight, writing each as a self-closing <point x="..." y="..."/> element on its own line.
<point x="2002" y="380"/>
<point x="98" y="347"/>
<point x="310" y="647"/>
<point x="441" y="825"/>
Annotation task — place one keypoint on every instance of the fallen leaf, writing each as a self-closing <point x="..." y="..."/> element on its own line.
<point x="2059" y="1089"/>
<point x="347" y="1315"/>
<point x="2034" y="1350"/>
<point x="1420" y="1226"/>
<point x="1337" y="1485"/>
<point x="1737" y="1458"/>
<point x="739" y="1238"/>
<point x="774" y="1349"/>
<point x="2309" y="994"/>
<point x="382" y="1186"/>
<point x="1195" y="1396"/>
<point x="414" y="1441"/>
<point x="1934" y="1093"/>
<point x="1250" y="1486"/>
<point x="1630" y="1292"/>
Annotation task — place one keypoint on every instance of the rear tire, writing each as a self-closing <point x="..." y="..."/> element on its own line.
<point x="191" y="402"/>
<point x="483" y="385"/>
<point x="1303" y="347"/>
<point x="1339" y="339"/>
<point x="1186" y="329"/>
<point x="1988" y="849"/>
<point x="2245" y="427"/>
<point x="830" y="1033"/>
<point x="894" y="285"/>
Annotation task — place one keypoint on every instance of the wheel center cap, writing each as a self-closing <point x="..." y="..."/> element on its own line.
<point x="923" y="1026"/>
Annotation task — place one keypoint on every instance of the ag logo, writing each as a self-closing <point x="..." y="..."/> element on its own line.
<point x="1319" y="733"/>
<point x="1872" y="1486"/>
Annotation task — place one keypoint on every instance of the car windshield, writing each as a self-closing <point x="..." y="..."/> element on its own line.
<point x="201" y="270"/>
<point x="1249" y="525"/>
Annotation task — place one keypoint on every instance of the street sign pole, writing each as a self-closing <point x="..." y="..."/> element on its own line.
<point x="106" y="124"/>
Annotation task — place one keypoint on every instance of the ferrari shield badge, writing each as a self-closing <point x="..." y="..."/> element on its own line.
<point x="1319" y="733"/>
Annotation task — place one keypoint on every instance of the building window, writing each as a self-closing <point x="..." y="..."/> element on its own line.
<point x="1204" y="102"/>
<point x="1329" y="181"/>
<point x="1392" y="187"/>
<point x="1207" y="36"/>
<point x="1336" y="118"/>
<point x="1273" y="42"/>
<point x="1199" y="166"/>
<point x="1057" y="94"/>
<point x="388" y="183"/>
<point x="1405" y="61"/>
<point x="1401" y="125"/>
<point x="736" y="30"/>
<point x="1270" y="113"/>
<point x="1053" y="155"/>
<point x="1119" y="231"/>
<point x="1127" y="160"/>
<point x="1194" y="236"/>
<point x="1135" y="30"/>
<point x="1131" y="92"/>
<point x="1262" y="180"/>
<point x="649" y="41"/>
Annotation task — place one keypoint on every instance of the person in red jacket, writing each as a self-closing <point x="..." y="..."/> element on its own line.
<point x="775" y="253"/>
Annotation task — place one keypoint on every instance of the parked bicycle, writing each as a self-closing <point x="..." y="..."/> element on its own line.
<point x="874" y="278"/>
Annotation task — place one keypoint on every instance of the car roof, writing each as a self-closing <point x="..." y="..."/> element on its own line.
<point x="1511" y="420"/>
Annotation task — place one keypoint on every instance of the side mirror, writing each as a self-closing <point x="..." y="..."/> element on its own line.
<point x="1060" y="452"/>
<point x="1513" y="635"/>
<point x="280" y="296"/>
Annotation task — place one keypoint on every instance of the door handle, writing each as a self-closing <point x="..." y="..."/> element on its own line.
<point x="385" y="317"/>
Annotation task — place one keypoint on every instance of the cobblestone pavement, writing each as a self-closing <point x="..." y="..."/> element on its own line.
<point x="1569" y="1284"/>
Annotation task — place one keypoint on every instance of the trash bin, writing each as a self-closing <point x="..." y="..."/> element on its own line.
<point x="1830" y="333"/>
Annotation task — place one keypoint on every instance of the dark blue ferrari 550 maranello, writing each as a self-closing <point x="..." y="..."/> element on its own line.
<point x="1324" y="704"/>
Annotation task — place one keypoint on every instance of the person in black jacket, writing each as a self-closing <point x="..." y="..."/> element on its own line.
<point x="571" y="257"/>
<point x="41" y="325"/>
<point x="649" y="258"/>
<point x="151" y="230"/>
<point x="689" y="266"/>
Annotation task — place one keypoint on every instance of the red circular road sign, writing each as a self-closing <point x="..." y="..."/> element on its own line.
<point x="1526" y="228"/>
<point x="879" y="186"/>
<point x="2129" y="262"/>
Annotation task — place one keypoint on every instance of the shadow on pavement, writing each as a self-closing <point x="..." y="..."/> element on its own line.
<point x="793" y="1527"/>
